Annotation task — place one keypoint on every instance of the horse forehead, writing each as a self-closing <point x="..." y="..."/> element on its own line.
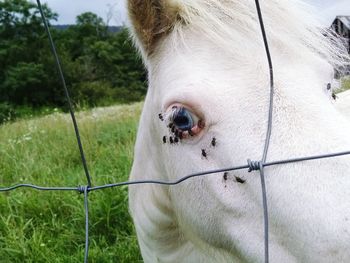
<point x="199" y="57"/>
<point x="203" y="68"/>
<point x="211" y="68"/>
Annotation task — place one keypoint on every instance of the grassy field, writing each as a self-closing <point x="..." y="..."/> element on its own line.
<point x="40" y="226"/>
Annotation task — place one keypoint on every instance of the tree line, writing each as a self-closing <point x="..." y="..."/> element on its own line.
<point x="100" y="67"/>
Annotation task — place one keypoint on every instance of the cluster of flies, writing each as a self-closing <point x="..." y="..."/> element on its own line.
<point x="179" y="135"/>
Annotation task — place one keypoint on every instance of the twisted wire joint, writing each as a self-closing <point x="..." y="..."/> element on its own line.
<point x="253" y="165"/>
<point x="81" y="188"/>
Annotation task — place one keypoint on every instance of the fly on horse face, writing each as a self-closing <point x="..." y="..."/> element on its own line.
<point x="206" y="108"/>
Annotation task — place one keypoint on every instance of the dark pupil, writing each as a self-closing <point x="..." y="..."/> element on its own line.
<point x="183" y="120"/>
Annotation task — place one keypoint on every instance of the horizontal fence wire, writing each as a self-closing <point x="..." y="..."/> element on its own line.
<point x="251" y="165"/>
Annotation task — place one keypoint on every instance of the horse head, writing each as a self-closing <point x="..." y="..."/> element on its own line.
<point x="206" y="108"/>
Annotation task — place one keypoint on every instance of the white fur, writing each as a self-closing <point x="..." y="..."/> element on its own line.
<point x="216" y="64"/>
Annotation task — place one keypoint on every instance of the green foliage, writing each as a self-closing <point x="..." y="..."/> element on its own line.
<point x="40" y="226"/>
<point x="22" y="79"/>
<point x="7" y="112"/>
<point x="111" y="68"/>
<point x="89" y="24"/>
<point x="101" y="68"/>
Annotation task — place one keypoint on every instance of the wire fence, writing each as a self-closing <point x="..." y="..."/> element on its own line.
<point x="250" y="166"/>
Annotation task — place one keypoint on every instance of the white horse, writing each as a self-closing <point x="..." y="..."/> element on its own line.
<point x="206" y="108"/>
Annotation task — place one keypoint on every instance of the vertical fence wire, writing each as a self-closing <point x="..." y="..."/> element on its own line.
<point x="86" y="206"/>
<point x="76" y="130"/>
<point x="268" y="133"/>
<point x="69" y="101"/>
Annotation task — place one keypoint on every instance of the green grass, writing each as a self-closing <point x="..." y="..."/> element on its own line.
<point x="38" y="226"/>
<point x="345" y="84"/>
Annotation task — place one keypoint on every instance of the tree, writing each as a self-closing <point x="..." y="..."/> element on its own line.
<point x="100" y="67"/>
<point x="22" y="43"/>
<point x="106" y="65"/>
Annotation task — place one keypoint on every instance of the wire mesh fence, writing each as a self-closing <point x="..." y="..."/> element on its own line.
<point x="250" y="166"/>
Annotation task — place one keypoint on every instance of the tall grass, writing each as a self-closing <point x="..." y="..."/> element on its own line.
<point x="40" y="226"/>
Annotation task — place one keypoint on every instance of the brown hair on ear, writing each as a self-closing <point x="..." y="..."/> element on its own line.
<point x="152" y="19"/>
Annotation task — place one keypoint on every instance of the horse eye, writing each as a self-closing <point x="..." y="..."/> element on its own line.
<point x="184" y="123"/>
<point x="183" y="120"/>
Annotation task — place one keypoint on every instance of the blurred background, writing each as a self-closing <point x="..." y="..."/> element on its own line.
<point x="99" y="61"/>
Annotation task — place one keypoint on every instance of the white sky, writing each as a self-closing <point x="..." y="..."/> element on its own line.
<point x="69" y="9"/>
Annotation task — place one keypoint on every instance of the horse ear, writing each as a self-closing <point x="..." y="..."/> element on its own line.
<point x="151" y="20"/>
